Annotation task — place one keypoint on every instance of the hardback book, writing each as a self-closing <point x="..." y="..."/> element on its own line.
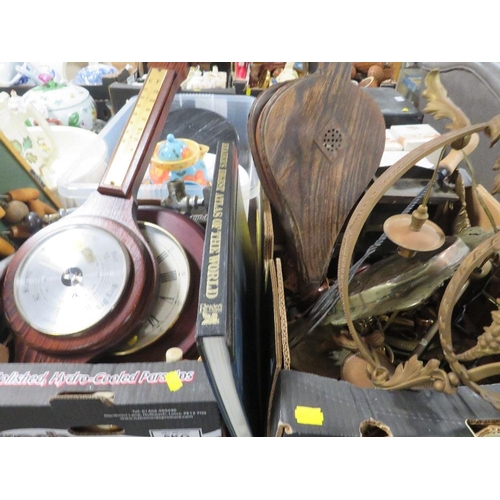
<point x="227" y="321"/>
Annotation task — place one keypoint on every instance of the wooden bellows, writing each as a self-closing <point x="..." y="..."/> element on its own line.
<point x="317" y="142"/>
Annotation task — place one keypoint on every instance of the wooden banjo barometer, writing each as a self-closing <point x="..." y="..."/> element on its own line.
<point x="82" y="286"/>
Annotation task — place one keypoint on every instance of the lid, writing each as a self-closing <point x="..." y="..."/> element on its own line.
<point x="173" y="149"/>
<point x="58" y="95"/>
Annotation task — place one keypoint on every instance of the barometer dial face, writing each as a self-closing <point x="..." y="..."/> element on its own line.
<point x="174" y="276"/>
<point x="71" y="280"/>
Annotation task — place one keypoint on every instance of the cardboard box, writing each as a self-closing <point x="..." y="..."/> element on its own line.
<point x="129" y="399"/>
<point x="303" y="404"/>
<point x="153" y="399"/>
<point x="309" y="405"/>
<point x="114" y="399"/>
<point x="104" y="399"/>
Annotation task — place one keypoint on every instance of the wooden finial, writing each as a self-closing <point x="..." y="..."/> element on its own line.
<point x="174" y="354"/>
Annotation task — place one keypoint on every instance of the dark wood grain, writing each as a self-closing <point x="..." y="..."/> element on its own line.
<point x="319" y="141"/>
<point x="254" y="132"/>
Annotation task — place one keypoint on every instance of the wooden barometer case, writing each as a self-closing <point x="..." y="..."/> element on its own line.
<point x="81" y="286"/>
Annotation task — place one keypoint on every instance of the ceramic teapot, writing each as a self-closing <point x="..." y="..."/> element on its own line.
<point x="64" y="104"/>
<point x="180" y="159"/>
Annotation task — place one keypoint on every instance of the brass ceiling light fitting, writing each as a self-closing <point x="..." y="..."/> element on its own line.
<point x="415" y="232"/>
<point x="414" y="373"/>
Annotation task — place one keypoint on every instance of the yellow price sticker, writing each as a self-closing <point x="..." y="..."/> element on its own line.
<point x="173" y="381"/>
<point x="309" y="416"/>
<point x="405" y="110"/>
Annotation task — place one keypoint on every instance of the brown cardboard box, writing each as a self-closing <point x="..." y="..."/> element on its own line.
<point x="306" y="404"/>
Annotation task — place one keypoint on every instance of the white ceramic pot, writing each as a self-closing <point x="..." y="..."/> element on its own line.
<point x="64" y="104"/>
